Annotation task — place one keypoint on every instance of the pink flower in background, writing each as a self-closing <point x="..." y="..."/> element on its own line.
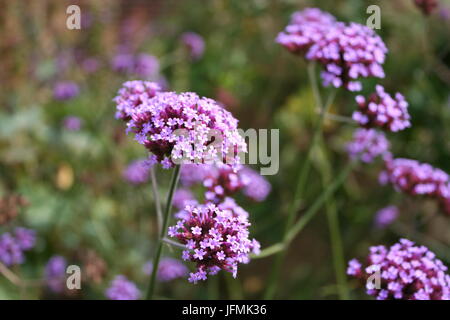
<point x="72" y="123"/>
<point x="182" y="197"/>
<point x="122" y="289"/>
<point x="222" y="181"/>
<point x="55" y="274"/>
<point x="65" y="90"/>
<point x="415" y="178"/>
<point x="368" y="144"/>
<point x="382" y="111"/>
<point x="137" y="172"/>
<point x="195" y="44"/>
<point x="169" y="269"/>
<point x="384" y="217"/>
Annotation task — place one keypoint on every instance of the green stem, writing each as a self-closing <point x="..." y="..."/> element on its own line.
<point x="156" y="197"/>
<point x="173" y="186"/>
<point x="335" y="234"/>
<point x="304" y="171"/>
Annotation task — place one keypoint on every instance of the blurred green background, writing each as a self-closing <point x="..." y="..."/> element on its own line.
<point x="78" y="199"/>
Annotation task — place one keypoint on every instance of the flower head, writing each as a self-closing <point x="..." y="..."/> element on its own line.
<point x="348" y="52"/>
<point x="195" y="44"/>
<point x="186" y="128"/>
<point x="72" y="123"/>
<point x="133" y="94"/>
<point x="415" y="178"/>
<point x="383" y="111"/>
<point x="137" y="172"/>
<point x="168" y="269"/>
<point x="406" y="271"/>
<point x="55" y="272"/>
<point x="13" y="245"/>
<point x="216" y="240"/>
<point x="10" y="251"/>
<point x="65" y="90"/>
<point x="305" y="28"/>
<point x="122" y="289"/>
<point x="25" y="238"/>
<point x="222" y="181"/>
<point x="368" y="144"/>
<point x="386" y="216"/>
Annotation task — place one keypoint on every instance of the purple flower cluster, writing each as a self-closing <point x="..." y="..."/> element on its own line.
<point x="406" y="271"/>
<point x="368" y="144"/>
<point x="72" y="123"/>
<point x="133" y="94"/>
<point x="215" y="239"/>
<point x="346" y="51"/>
<point x="383" y="111"/>
<point x="415" y="178"/>
<point x="305" y="28"/>
<point x="122" y="289"/>
<point x="65" y="90"/>
<point x="194" y="43"/>
<point x="143" y="65"/>
<point x="137" y="172"/>
<point x="186" y="128"/>
<point x="386" y="216"/>
<point x="221" y="181"/>
<point x="55" y="272"/>
<point x="168" y="269"/>
<point x="13" y="245"/>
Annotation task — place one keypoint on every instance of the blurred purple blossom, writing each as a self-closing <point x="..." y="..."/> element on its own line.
<point x="384" y="217"/>
<point x="65" y="90"/>
<point x="122" y="289"/>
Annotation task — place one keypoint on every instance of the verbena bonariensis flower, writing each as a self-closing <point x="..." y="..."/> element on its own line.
<point x="347" y="53"/>
<point x="383" y="111"/>
<point x="65" y="90"/>
<point x="146" y="65"/>
<point x="143" y="65"/>
<point x="182" y="197"/>
<point x="386" y="216"/>
<point x="221" y="181"/>
<point x="415" y="178"/>
<point x="426" y="6"/>
<point x="168" y="269"/>
<point x="256" y="187"/>
<point x="72" y="123"/>
<point x="25" y="238"/>
<point x="186" y="128"/>
<point x="13" y="245"/>
<point x="406" y="271"/>
<point x="55" y="272"/>
<point x="215" y="240"/>
<point x="137" y="172"/>
<point x="305" y="28"/>
<point x="133" y="94"/>
<point x="195" y="44"/>
<point x="122" y="289"/>
<point x="10" y="251"/>
<point x="368" y="144"/>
